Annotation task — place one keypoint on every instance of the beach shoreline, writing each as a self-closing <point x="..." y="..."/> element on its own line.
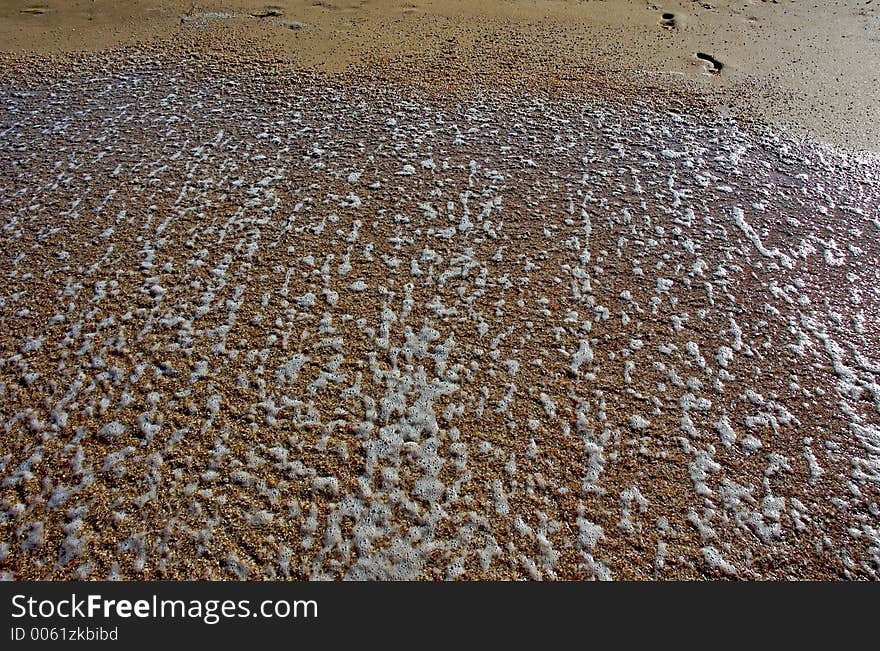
<point x="289" y="296"/>
<point x="782" y="63"/>
<point x="263" y="326"/>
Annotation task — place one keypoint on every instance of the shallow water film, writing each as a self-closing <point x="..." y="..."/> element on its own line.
<point x="261" y="328"/>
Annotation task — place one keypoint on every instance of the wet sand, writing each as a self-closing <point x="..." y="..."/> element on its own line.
<point x="810" y="66"/>
<point x="262" y="327"/>
<point x="268" y="316"/>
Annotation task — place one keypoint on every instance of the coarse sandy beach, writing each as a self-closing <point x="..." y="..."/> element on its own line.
<point x="814" y="67"/>
<point x="447" y="290"/>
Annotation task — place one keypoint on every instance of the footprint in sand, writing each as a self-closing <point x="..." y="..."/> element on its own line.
<point x="713" y="65"/>
<point x="667" y="21"/>
<point x="272" y="11"/>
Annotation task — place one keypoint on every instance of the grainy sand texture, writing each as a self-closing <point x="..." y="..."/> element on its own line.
<point x="812" y="66"/>
<point x="439" y="291"/>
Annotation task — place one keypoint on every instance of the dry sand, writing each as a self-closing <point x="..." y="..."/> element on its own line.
<point x="811" y="66"/>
